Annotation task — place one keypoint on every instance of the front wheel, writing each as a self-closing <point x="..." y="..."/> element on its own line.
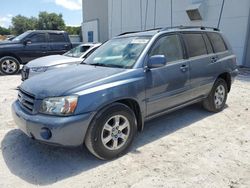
<point x="9" y="65"/>
<point x="216" y="100"/>
<point x="111" y="132"/>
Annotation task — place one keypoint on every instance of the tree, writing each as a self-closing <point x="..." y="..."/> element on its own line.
<point x="50" y="21"/>
<point x="20" y="24"/>
<point x="4" y="31"/>
<point x="73" y="30"/>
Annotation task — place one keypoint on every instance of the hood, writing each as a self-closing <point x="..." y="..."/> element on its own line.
<point x="8" y="43"/>
<point x="60" y="82"/>
<point x="53" y="60"/>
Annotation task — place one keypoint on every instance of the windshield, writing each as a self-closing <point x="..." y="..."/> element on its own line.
<point x="22" y="36"/>
<point x="119" y="52"/>
<point x="77" y="51"/>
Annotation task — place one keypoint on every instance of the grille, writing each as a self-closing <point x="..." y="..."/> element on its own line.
<point x="26" y="100"/>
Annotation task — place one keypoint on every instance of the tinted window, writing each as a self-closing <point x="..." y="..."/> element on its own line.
<point x="84" y="48"/>
<point x="195" y="44"/>
<point x="208" y="44"/>
<point x="56" y="37"/>
<point x="36" y="38"/>
<point x="169" y="46"/>
<point x="217" y="42"/>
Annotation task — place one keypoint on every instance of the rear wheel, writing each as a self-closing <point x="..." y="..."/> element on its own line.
<point x="9" y="65"/>
<point x="111" y="132"/>
<point x="216" y="100"/>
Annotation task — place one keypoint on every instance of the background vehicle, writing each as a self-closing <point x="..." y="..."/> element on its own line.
<point x="128" y="80"/>
<point x="31" y="45"/>
<point x="43" y="64"/>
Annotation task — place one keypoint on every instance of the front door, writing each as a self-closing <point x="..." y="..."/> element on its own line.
<point x="167" y="86"/>
<point x="35" y="47"/>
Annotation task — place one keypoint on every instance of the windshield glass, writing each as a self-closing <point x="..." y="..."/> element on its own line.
<point x="119" y="52"/>
<point x="77" y="51"/>
<point x="22" y="36"/>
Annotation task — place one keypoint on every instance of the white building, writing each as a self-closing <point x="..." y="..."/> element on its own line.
<point x="104" y="19"/>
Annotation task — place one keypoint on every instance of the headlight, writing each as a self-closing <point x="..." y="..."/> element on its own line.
<point x="59" y="105"/>
<point x="39" y="69"/>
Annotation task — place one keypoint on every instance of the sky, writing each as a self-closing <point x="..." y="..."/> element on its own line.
<point x="70" y="9"/>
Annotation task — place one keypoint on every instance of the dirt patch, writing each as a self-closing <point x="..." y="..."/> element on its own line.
<point x="187" y="148"/>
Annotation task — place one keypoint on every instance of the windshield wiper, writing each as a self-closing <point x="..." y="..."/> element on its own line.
<point x="107" y="65"/>
<point x="98" y="64"/>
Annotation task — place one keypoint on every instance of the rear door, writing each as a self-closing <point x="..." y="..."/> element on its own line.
<point x="58" y="43"/>
<point x="36" y="47"/>
<point x="221" y="54"/>
<point x="202" y="61"/>
<point x="167" y="86"/>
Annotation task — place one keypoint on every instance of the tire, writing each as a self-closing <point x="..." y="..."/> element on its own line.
<point x="216" y="100"/>
<point x="9" y="65"/>
<point x="103" y="139"/>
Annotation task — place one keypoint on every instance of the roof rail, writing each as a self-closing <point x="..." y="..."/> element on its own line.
<point x="131" y="32"/>
<point x="190" y="27"/>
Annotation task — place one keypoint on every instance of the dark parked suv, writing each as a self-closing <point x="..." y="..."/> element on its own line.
<point x="130" y="79"/>
<point x="31" y="45"/>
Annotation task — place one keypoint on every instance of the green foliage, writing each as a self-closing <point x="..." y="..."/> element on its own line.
<point x="50" y="21"/>
<point x="45" y="21"/>
<point x="73" y="30"/>
<point x="22" y="24"/>
<point x="4" y="31"/>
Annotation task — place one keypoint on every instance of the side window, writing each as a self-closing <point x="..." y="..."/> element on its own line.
<point x="195" y="44"/>
<point x="170" y="46"/>
<point x="56" y="37"/>
<point x="38" y="38"/>
<point x="208" y="44"/>
<point x="217" y="42"/>
<point x="84" y="48"/>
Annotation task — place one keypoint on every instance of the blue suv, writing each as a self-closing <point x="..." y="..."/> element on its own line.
<point x="130" y="79"/>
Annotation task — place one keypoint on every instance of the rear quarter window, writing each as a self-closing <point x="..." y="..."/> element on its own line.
<point x="195" y="44"/>
<point x="217" y="42"/>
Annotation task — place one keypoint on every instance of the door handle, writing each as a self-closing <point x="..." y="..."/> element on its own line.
<point x="214" y="59"/>
<point x="184" y="68"/>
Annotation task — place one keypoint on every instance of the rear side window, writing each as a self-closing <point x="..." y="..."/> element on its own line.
<point x="38" y="38"/>
<point x="217" y="42"/>
<point x="195" y="44"/>
<point x="170" y="46"/>
<point x="56" y="37"/>
<point x="208" y="44"/>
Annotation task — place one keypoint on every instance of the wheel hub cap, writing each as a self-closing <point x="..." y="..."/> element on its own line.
<point x="115" y="132"/>
<point x="9" y="66"/>
<point x="219" y="96"/>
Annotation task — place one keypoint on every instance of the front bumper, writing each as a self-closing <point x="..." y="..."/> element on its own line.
<point x="65" y="131"/>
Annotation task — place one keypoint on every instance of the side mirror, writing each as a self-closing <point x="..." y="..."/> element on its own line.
<point x="27" y="41"/>
<point x="157" y="61"/>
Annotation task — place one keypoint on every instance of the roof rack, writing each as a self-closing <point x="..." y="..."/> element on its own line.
<point x="190" y="27"/>
<point x="131" y="32"/>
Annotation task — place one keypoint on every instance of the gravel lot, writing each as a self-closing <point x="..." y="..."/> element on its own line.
<point x="187" y="148"/>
